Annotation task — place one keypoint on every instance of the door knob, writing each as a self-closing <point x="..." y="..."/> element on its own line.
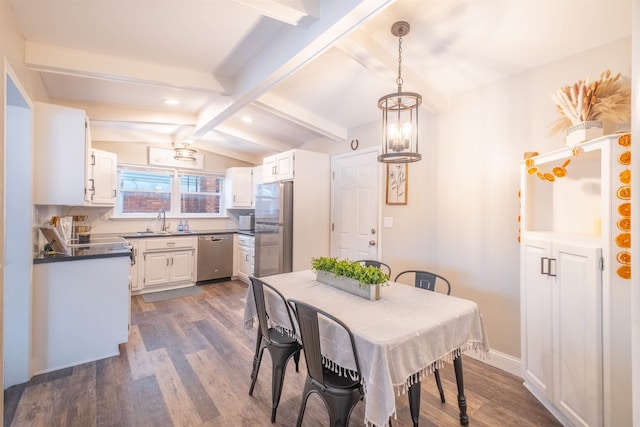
<point x="372" y="242"/>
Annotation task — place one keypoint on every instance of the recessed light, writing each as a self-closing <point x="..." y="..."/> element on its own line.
<point x="247" y="119"/>
<point x="171" y="101"/>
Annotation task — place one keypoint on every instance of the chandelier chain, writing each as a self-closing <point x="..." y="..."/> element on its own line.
<point x="399" y="79"/>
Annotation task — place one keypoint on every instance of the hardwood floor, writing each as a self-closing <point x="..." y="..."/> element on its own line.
<point x="188" y="362"/>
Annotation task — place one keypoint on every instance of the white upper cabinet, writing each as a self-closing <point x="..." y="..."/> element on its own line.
<point x="103" y="178"/>
<point x="239" y="187"/>
<point x="62" y="153"/>
<point x="279" y="167"/>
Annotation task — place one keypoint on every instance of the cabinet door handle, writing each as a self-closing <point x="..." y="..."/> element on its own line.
<point x="93" y="185"/>
<point x="93" y="160"/>
<point x="114" y="193"/>
<point x="171" y="261"/>
<point x="167" y="262"/>
<point x="246" y="257"/>
<point x="554" y="267"/>
<point x="542" y="263"/>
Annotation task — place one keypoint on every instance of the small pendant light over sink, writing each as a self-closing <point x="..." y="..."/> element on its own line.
<point x="184" y="152"/>
<point x="400" y="115"/>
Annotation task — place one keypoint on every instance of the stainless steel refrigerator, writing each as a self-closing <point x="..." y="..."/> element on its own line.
<point x="274" y="228"/>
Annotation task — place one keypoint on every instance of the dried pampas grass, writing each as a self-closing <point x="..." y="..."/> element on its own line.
<point x="607" y="100"/>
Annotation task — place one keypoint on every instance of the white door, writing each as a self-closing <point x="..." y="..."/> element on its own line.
<point x="104" y="175"/>
<point x="355" y="189"/>
<point x="156" y="268"/>
<point x="181" y="266"/>
<point x="578" y="321"/>
<point x="537" y="319"/>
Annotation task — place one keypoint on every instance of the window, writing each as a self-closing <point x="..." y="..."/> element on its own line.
<point x="143" y="192"/>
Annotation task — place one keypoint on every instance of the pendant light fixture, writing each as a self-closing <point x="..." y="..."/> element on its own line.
<point x="400" y="115"/>
<point x="184" y="152"/>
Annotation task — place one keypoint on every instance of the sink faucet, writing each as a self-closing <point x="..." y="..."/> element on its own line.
<point x="162" y="215"/>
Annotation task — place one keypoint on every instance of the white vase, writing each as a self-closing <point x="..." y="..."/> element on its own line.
<point x="584" y="132"/>
<point x="371" y="292"/>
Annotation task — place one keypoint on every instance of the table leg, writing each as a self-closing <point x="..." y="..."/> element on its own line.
<point x="414" y="402"/>
<point x="462" y="401"/>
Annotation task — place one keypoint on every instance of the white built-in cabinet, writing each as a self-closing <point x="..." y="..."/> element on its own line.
<point x="239" y="187"/>
<point x="278" y="167"/>
<point x="575" y="313"/>
<point x="66" y="169"/>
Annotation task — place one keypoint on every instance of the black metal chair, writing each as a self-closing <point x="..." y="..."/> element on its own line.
<point x="281" y="346"/>
<point x="429" y="281"/>
<point x="339" y="393"/>
<point x="381" y="265"/>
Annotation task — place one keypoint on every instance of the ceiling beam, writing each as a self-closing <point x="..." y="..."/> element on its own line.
<point x="62" y="60"/>
<point x="300" y="12"/>
<point x="291" y="50"/>
<point x="252" y="138"/>
<point x="362" y="48"/>
<point x="294" y="113"/>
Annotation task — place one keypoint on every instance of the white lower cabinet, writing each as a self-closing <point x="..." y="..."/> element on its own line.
<point x="166" y="263"/>
<point x="164" y="268"/>
<point x="246" y="253"/>
<point x="562" y="327"/>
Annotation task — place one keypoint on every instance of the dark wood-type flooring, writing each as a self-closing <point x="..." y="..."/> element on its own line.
<point x="188" y="362"/>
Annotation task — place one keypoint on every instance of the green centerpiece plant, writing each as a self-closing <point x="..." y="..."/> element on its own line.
<point x="366" y="277"/>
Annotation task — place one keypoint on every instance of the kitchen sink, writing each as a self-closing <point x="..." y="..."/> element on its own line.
<point x="156" y="233"/>
<point x="151" y="233"/>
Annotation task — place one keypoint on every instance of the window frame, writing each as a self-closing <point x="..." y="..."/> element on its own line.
<point x="175" y="192"/>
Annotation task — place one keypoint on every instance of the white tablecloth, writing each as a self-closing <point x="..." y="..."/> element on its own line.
<point x="400" y="338"/>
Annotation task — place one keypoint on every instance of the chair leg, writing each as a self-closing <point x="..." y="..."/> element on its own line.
<point x="414" y="402"/>
<point x="256" y="367"/>
<point x="303" y="404"/>
<point x="296" y="358"/>
<point x="436" y="373"/>
<point x="279" y="360"/>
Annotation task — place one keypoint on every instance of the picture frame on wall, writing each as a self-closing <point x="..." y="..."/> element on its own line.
<point x="397" y="183"/>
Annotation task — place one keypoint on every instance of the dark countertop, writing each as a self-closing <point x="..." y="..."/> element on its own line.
<point x="81" y="253"/>
<point x="89" y="252"/>
<point x="139" y="235"/>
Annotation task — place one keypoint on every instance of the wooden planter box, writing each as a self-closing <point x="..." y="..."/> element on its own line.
<point x="371" y="292"/>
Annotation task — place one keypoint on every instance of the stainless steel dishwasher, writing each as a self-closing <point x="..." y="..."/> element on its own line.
<point x="215" y="257"/>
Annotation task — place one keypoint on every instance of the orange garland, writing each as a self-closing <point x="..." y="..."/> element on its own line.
<point x="556" y="172"/>
<point x="623" y="239"/>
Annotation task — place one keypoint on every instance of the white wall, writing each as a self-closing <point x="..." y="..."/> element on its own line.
<point x="461" y="217"/>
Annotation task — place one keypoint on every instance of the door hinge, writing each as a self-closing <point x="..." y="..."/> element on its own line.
<point x="601" y="263"/>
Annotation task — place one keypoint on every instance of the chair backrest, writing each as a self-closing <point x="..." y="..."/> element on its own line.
<point x="261" y="306"/>
<point x="427" y="280"/>
<point x="381" y="265"/>
<point x="307" y="316"/>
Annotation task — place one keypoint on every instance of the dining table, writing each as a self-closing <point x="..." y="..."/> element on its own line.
<point x="401" y="338"/>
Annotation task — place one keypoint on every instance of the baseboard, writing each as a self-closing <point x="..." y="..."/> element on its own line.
<point x="498" y="360"/>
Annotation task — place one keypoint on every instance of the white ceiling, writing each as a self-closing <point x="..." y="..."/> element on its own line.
<point x="303" y="70"/>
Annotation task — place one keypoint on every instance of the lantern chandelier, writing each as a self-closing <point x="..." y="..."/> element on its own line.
<point x="400" y="115"/>
<point x="184" y="152"/>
